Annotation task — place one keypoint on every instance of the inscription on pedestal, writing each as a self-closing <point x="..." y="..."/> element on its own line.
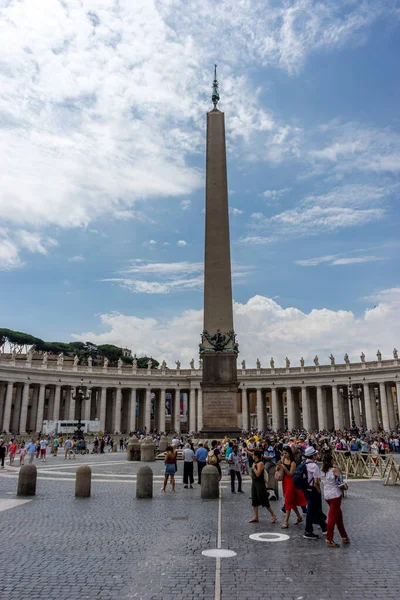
<point x="220" y="409"/>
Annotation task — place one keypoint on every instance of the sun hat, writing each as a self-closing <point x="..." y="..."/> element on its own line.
<point x="310" y="451"/>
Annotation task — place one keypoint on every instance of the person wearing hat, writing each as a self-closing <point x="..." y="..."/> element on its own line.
<point x="313" y="495"/>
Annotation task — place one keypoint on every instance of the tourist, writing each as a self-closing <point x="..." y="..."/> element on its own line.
<point x="170" y="468"/>
<point x="244" y="459"/>
<point x="12" y="450"/>
<point x="43" y="449"/>
<point x="3" y="452"/>
<point x="38" y="448"/>
<point x="121" y="444"/>
<point x="56" y="443"/>
<point x="234" y="461"/>
<point x="22" y="453"/>
<point x="188" y="456"/>
<point x="313" y="495"/>
<point x="333" y="495"/>
<point x="201" y="457"/>
<point x="102" y="444"/>
<point x="228" y="450"/>
<point x="293" y="497"/>
<point x="259" y="494"/>
<point x="31" y="450"/>
<point x="67" y="448"/>
<point x="214" y="457"/>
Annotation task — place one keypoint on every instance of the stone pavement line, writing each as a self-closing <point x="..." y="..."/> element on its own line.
<point x="218" y="560"/>
<point x="7" y="504"/>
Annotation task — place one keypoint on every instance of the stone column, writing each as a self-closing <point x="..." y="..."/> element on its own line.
<point x="368" y="407"/>
<point x="245" y="410"/>
<point x="276" y="421"/>
<point x="320" y="408"/>
<point x="392" y="415"/>
<point x="3" y="389"/>
<point x="117" y="413"/>
<point x="260" y="410"/>
<point x="177" y="410"/>
<point x="103" y="399"/>
<point x="24" y="408"/>
<point x="305" y="403"/>
<point x="356" y="406"/>
<point x="398" y="400"/>
<point x="16" y="419"/>
<point x="87" y="405"/>
<point x="374" y="414"/>
<point x="384" y="407"/>
<point x="132" y="410"/>
<point x="290" y="407"/>
<point x="337" y="414"/>
<point x="7" y="407"/>
<point x="33" y="414"/>
<point x="147" y="410"/>
<point x="72" y="404"/>
<point x="40" y="411"/>
<point x="199" y="409"/>
<point x="192" y="410"/>
<point x="57" y="397"/>
<point x="162" y="411"/>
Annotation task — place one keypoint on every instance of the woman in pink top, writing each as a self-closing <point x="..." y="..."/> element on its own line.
<point x="22" y="452"/>
<point x="12" y="449"/>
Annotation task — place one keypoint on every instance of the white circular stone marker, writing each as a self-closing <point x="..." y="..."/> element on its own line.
<point x="219" y="553"/>
<point x="269" y="537"/>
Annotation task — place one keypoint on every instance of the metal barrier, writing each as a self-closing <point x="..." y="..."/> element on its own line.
<point x="366" y="466"/>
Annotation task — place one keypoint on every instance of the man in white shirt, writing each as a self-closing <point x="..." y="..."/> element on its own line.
<point x="43" y="449"/>
<point x="188" y="455"/>
<point x="313" y="494"/>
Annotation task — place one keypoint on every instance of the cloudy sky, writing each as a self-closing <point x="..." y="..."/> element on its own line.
<point x="102" y="115"/>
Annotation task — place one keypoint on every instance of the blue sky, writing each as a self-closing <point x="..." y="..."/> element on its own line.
<point x="102" y="112"/>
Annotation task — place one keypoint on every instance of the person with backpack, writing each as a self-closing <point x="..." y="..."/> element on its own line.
<point x="214" y="457"/>
<point x="307" y="477"/>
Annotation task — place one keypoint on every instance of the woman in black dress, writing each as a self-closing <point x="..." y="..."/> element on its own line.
<point x="259" y="493"/>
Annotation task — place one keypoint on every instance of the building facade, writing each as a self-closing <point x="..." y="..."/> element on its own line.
<point x="36" y="388"/>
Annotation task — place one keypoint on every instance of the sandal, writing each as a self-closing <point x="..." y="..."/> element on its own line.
<point x="299" y="521"/>
<point x="253" y="521"/>
<point x="331" y="544"/>
<point x="345" y="540"/>
<point x="274" y="519"/>
<point x="285" y="526"/>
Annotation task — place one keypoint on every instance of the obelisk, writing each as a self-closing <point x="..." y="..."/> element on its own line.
<point x="218" y="348"/>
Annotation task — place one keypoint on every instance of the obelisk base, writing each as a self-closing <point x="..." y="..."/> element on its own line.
<point x="220" y="416"/>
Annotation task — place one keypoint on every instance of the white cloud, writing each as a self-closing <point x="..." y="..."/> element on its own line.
<point x="185" y="204"/>
<point x="337" y="259"/>
<point x="15" y="242"/>
<point x="235" y="211"/>
<point x="76" y="258"/>
<point x="255" y="240"/>
<point x="181" y="243"/>
<point x="265" y="329"/>
<point x="149" y="244"/>
<point x="274" y="195"/>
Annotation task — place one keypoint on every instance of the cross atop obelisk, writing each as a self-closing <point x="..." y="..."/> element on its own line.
<point x="218" y="348"/>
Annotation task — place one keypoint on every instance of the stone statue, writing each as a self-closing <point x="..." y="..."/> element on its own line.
<point x="243" y="363"/>
<point x="106" y="361"/>
<point x="302" y="362"/>
<point x="120" y="363"/>
<point x="149" y="364"/>
<point x="192" y="364"/>
<point x="346" y="359"/>
<point x="45" y="357"/>
<point x="332" y="359"/>
<point x="316" y="361"/>
<point x="134" y="362"/>
<point x="258" y="364"/>
<point x="395" y="354"/>
<point x="200" y="363"/>
<point x="90" y="361"/>
<point x="60" y="359"/>
<point x="287" y="362"/>
<point x="178" y="365"/>
<point x="76" y="360"/>
<point x="163" y="365"/>
<point x="272" y="363"/>
<point x="379" y="356"/>
<point x="29" y="356"/>
<point x="362" y="357"/>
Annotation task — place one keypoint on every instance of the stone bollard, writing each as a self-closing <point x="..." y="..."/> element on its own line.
<point x="115" y="447"/>
<point x="144" y="482"/>
<point x="27" y="481"/>
<point x="163" y="443"/>
<point x="83" y="481"/>
<point x="147" y="451"/>
<point x="209" y="483"/>
<point x="133" y="449"/>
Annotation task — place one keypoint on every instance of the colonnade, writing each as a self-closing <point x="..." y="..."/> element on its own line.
<point x="319" y="407"/>
<point x="24" y="406"/>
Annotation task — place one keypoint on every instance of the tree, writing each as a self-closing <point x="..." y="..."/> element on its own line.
<point x="113" y="353"/>
<point x="143" y="360"/>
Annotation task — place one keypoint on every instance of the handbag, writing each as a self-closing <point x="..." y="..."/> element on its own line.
<point x="279" y="474"/>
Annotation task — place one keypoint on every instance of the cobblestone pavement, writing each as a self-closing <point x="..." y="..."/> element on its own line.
<point x="114" y="546"/>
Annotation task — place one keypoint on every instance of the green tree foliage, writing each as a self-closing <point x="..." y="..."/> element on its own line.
<point x="143" y="360"/>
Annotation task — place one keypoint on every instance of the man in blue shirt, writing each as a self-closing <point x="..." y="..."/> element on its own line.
<point x="31" y="450"/>
<point x="201" y="457"/>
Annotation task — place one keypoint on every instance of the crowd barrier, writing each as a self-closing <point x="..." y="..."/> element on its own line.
<point x="366" y="466"/>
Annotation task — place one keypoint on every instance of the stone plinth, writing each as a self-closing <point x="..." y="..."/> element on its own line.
<point x="83" y="481"/>
<point x="144" y="482"/>
<point x="27" y="480"/>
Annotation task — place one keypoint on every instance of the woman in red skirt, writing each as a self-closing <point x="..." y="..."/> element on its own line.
<point x="293" y="496"/>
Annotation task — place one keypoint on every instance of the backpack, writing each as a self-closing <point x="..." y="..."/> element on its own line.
<point x="300" y="477"/>
<point x="211" y="458"/>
